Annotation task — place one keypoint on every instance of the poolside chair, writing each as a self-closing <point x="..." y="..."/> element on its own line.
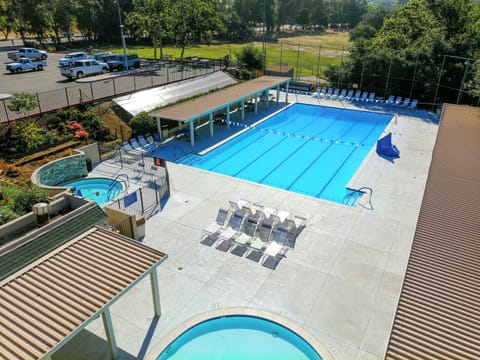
<point x="233" y="229"/>
<point x="144" y="144"/>
<point x="127" y="147"/>
<point x="336" y="94"/>
<point x="343" y="94"/>
<point x="323" y="92"/>
<point x="413" y="105"/>
<point x="136" y="146"/>
<point x="218" y="224"/>
<point x="156" y="138"/>
<point x="357" y="96"/>
<point x="405" y="103"/>
<point x="259" y="242"/>
<point x="249" y="230"/>
<point x="295" y="226"/>
<point x="398" y="101"/>
<point x="349" y="95"/>
<point x="371" y="98"/>
<point x="275" y="251"/>
<point x="329" y="93"/>
<point x="390" y="100"/>
<point x="364" y="96"/>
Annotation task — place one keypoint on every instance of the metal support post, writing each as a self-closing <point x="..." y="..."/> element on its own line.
<point x="155" y="292"/>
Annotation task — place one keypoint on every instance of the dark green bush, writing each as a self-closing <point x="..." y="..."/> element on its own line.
<point x="30" y="195"/>
<point x="142" y="123"/>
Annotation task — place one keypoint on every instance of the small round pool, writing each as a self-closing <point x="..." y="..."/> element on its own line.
<point x="239" y="337"/>
<point x="100" y="190"/>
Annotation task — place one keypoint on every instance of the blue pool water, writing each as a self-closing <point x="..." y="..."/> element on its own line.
<point x="100" y="190"/>
<point x="308" y="149"/>
<point x="239" y="338"/>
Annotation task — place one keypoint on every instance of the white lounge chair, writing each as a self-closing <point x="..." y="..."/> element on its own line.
<point x="259" y="241"/>
<point x="275" y="251"/>
<point x="233" y="229"/>
<point x="218" y="224"/>
<point x="343" y="94"/>
<point x="329" y="93"/>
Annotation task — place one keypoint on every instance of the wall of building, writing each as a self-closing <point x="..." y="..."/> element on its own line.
<point x="59" y="171"/>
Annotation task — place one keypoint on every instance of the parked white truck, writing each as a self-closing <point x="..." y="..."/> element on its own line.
<point x="30" y="53"/>
<point x="83" y="68"/>
<point x="25" y="64"/>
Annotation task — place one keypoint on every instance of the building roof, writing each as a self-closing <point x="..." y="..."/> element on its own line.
<point x="49" y="237"/>
<point x="438" y="314"/>
<point x="204" y="105"/>
<point x="47" y="302"/>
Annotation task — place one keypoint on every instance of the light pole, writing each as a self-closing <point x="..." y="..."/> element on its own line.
<point x="123" y="36"/>
<point x="467" y="64"/>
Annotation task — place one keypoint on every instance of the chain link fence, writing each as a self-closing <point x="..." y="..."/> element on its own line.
<point x="152" y="75"/>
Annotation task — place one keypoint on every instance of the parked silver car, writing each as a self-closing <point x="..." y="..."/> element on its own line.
<point x="70" y="59"/>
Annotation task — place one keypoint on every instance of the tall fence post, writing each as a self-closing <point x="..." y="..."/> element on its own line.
<point x="134" y="82"/>
<point x="298" y="58"/>
<point x="6" y="110"/>
<point x="141" y="199"/>
<point x="414" y="75"/>
<point x="317" y="82"/>
<point x="91" y="91"/>
<point x="66" y="97"/>
<point x="438" y="82"/>
<point x="114" y="87"/>
<point x="281" y="56"/>
<point x="388" y="78"/>
<point x="38" y="101"/>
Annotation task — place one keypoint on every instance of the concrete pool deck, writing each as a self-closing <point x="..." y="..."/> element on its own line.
<point x="341" y="282"/>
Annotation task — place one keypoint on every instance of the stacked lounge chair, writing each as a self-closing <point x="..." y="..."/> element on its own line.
<point x="259" y="232"/>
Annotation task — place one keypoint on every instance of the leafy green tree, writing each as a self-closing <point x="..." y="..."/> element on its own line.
<point x="7" y="22"/>
<point x="408" y="51"/>
<point x="150" y="18"/>
<point x="250" y="58"/>
<point x="194" y="20"/>
<point x="62" y="15"/>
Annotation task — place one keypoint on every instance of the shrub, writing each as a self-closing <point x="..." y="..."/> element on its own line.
<point x="6" y="214"/>
<point x="32" y="194"/>
<point x="142" y="123"/>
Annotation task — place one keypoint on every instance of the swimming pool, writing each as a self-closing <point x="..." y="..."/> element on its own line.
<point x="100" y="190"/>
<point x="238" y="337"/>
<point x="308" y="149"/>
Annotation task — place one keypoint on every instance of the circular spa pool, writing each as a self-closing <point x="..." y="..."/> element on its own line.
<point x="100" y="190"/>
<point x="239" y="337"/>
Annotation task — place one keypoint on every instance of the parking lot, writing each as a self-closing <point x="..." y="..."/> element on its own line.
<point x="55" y="91"/>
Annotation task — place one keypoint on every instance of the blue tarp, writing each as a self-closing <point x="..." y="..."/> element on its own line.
<point x="385" y="147"/>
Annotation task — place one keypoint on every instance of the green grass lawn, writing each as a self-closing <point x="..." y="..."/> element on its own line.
<point x="302" y="50"/>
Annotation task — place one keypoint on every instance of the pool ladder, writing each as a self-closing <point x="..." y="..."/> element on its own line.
<point x="122" y="178"/>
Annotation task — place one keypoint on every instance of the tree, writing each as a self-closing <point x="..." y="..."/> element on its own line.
<point x="412" y="44"/>
<point x="7" y="22"/>
<point x="250" y="58"/>
<point x="142" y="123"/>
<point x="194" y="20"/>
<point x="150" y="18"/>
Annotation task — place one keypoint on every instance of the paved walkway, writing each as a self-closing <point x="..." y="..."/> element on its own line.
<point x="341" y="282"/>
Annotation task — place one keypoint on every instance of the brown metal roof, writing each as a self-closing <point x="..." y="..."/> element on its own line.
<point x="438" y="315"/>
<point x="203" y="105"/>
<point x="45" y="302"/>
